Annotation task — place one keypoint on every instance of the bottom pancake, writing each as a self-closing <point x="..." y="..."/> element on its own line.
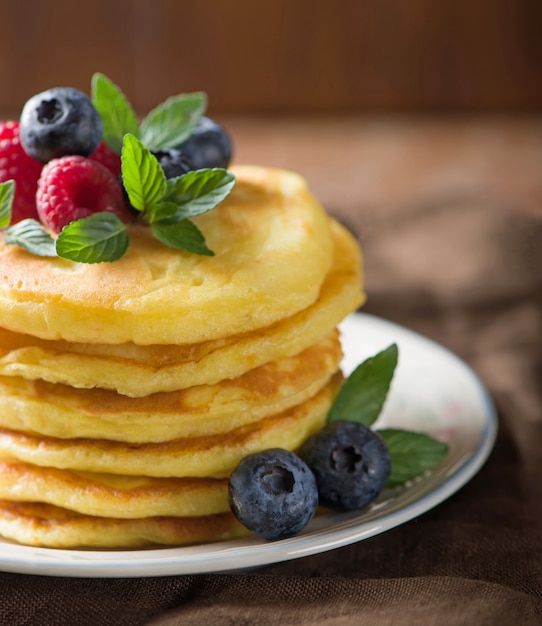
<point x="37" y="524"/>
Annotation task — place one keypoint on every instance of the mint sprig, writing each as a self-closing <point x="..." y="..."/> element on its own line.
<point x="184" y="234"/>
<point x="142" y="175"/>
<point x="172" y="122"/>
<point x="166" y="126"/>
<point x="412" y="453"/>
<point x="30" y="235"/>
<point x="363" y="394"/>
<point x="198" y="191"/>
<point x="100" y="237"/>
<point x="361" y="399"/>
<point x="167" y="204"/>
<point x="118" y="116"/>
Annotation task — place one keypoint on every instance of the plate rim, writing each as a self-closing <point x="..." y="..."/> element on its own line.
<point x="248" y="553"/>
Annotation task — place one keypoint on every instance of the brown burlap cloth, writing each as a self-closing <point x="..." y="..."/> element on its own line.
<point x="450" y="217"/>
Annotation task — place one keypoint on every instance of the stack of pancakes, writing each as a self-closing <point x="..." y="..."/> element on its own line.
<point x="129" y="391"/>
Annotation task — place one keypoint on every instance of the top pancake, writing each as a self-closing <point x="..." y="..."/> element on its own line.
<point x="273" y="249"/>
<point x="142" y="370"/>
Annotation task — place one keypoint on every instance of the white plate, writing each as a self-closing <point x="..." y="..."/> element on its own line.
<point x="433" y="391"/>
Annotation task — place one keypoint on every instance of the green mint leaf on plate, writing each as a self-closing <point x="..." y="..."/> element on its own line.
<point x="30" y="235"/>
<point x="118" y="117"/>
<point x="7" y="192"/>
<point x="411" y="453"/>
<point x="142" y="175"/>
<point x="199" y="191"/>
<point x="172" y="122"/>
<point x="99" y="238"/>
<point x="363" y="394"/>
<point x="184" y="235"/>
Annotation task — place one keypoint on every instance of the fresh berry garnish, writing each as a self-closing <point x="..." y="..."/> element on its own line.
<point x="59" y="122"/>
<point x="74" y="187"/>
<point x="173" y="162"/>
<point x="209" y="145"/>
<point x="350" y="462"/>
<point x="16" y="165"/>
<point x="107" y="157"/>
<point x="273" y="493"/>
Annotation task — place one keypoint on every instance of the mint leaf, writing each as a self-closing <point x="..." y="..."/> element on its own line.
<point x="118" y="117"/>
<point x="363" y="394"/>
<point x="30" y="235"/>
<point x="199" y="191"/>
<point x="94" y="239"/>
<point x="184" y="235"/>
<point x="142" y="175"/>
<point x="164" y="211"/>
<point x="172" y="122"/>
<point x="411" y="453"/>
<point x="7" y="193"/>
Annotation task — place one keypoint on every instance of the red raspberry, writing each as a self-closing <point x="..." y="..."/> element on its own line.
<point x="74" y="187"/>
<point x="107" y="157"/>
<point x="16" y="165"/>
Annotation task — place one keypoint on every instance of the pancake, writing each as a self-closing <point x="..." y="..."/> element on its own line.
<point x="38" y="524"/>
<point x="273" y="248"/>
<point x="142" y="370"/>
<point x="107" y="495"/>
<point x="206" y="456"/>
<point x="60" y="411"/>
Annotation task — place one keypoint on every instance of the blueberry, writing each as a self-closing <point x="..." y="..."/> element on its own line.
<point x="350" y="462"/>
<point x="208" y="146"/>
<point x="173" y="162"/>
<point x="273" y="493"/>
<point x="58" y="122"/>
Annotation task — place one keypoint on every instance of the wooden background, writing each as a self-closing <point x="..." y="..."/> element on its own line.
<point x="282" y="56"/>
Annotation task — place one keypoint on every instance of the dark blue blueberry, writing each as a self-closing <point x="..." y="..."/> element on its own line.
<point x="208" y="146"/>
<point x="58" y="122"/>
<point x="351" y="464"/>
<point x="173" y="162"/>
<point x="273" y="493"/>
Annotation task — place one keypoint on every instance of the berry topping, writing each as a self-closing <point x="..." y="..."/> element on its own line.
<point x="74" y="187"/>
<point x="173" y="162"/>
<point x="58" y="122"/>
<point x="350" y="462"/>
<point x="209" y="145"/>
<point x="16" y="165"/>
<point x="273" y="493"/>
<point x="107" y="157"/>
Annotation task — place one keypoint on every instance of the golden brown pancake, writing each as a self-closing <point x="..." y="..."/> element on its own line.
<point x="108" y="495"/>
<point x="38" y="524"/>
<point x="213" y="455"/>
<point x="60" y="411"/>
<point x="142" y="370"/>
<point x="273" y="248"/>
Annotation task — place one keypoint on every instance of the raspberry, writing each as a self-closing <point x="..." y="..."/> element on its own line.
<point x="16" y="165"/>
<point x="74" y="187"/>
<point x="107" y="157"/>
